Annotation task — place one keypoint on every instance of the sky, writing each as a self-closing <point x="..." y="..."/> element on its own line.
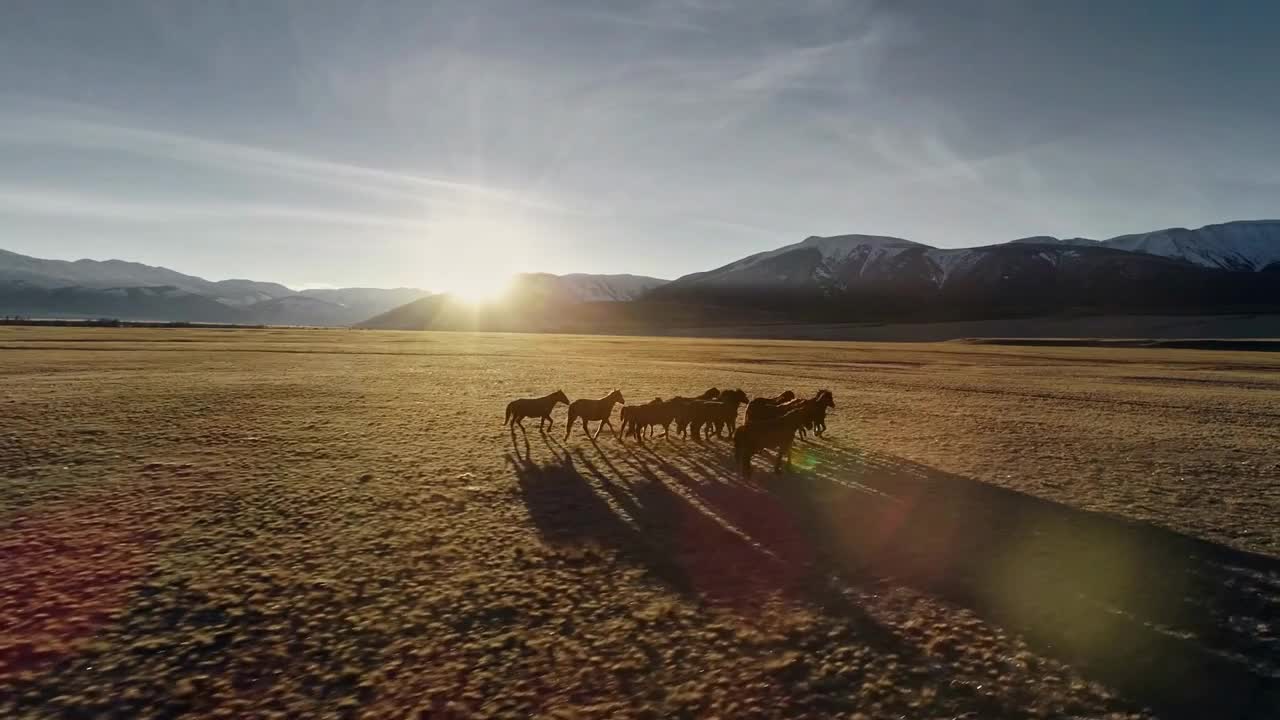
<point x="430" y="144"/>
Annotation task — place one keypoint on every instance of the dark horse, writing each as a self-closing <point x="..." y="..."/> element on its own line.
<point x="776" y="433"/>
<point x="518" y="410"/>
<point x="594" y="410"/>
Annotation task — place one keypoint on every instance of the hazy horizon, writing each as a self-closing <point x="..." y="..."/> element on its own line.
<point x="406" y="144"/>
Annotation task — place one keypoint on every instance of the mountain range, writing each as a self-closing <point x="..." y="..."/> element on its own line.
<point x="1217" y="268"/>
<point x="36" y="287"/>
<point x="868" y="277"/>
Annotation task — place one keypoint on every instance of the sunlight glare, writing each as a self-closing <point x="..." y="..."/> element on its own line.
<point x="481" y="265"/>
<point x="480" y="286"/>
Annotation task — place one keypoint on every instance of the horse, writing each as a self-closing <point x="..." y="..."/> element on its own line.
<point x="818" y="418"/>
<point x="769" y="407"/>
<point x="541" y="408"/>
<point x="637" y="418"/>
<point x="816" y="412"/>
<point x="720" y="413"/>
<point x="594" y="410"/>
<point x="777" y="433"/>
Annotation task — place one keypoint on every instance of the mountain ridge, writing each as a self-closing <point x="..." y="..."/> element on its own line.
<point x="832" y="278"/>
<point x="31" y="286"/>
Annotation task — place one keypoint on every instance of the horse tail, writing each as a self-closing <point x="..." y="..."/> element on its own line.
<point x="510" y="412"/>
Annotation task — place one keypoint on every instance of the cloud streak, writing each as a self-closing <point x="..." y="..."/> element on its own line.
<point x="250" y="159"/>
<point x="25" y="200"/>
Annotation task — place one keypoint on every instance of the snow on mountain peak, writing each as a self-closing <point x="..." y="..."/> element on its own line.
<point x="1249" y="245"/>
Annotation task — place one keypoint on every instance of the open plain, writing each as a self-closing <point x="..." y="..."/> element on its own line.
<point x="280" y="523"/>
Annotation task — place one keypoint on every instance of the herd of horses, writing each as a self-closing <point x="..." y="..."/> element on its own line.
<point x="771" y="423"/>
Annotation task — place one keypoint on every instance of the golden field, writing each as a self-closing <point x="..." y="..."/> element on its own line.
<point x="287" y="523"/>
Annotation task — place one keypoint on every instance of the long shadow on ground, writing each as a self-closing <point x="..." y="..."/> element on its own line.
<point x="1187" y="627"/>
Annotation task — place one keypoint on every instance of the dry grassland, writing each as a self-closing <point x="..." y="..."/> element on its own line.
<point x="335" y="524"/>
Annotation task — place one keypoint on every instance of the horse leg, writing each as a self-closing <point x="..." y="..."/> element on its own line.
<point x="568" y="428"/>
<point x="586" y="429"/>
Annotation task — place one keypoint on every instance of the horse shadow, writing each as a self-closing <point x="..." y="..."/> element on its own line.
<point x="580" y="497"/>
<point x="1185" y="626"/>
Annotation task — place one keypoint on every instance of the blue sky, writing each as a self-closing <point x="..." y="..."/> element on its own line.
<point x="424" y="143"/>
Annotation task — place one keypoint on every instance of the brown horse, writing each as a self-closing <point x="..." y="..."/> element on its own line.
<point x="816" y="412"/>
<point x="541" y="408"/>
<point x="717" y="414"/>
<point x="769" y="407"/>
<point x="594" y="410"/>
<point x="637" y="418"/>
<point x="778" y="433"/>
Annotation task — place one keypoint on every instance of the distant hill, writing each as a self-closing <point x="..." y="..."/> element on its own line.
<point x="133" y="291"/>
<point x="161" y="303"/>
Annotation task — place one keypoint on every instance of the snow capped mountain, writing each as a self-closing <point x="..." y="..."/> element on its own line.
<point x="814" y="260"/>
<point x="849" y="262"/>
<point x="948" y="263"/>
<point x="1243" y="245"/>
<point x="870" y="277"/>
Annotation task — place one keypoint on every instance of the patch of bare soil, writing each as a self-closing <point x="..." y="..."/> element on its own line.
<point x="286" y="524"/>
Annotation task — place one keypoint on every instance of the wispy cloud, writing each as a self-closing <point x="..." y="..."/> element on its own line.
<point x="56" y="203"/>
<point x="250" y="159"/>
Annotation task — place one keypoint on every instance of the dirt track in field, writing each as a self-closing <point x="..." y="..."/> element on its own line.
<point x="286" y="523"/>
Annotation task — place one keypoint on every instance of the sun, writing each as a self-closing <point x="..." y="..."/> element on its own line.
<point x="478" y="288"/>
<point x="482" y="259"/>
